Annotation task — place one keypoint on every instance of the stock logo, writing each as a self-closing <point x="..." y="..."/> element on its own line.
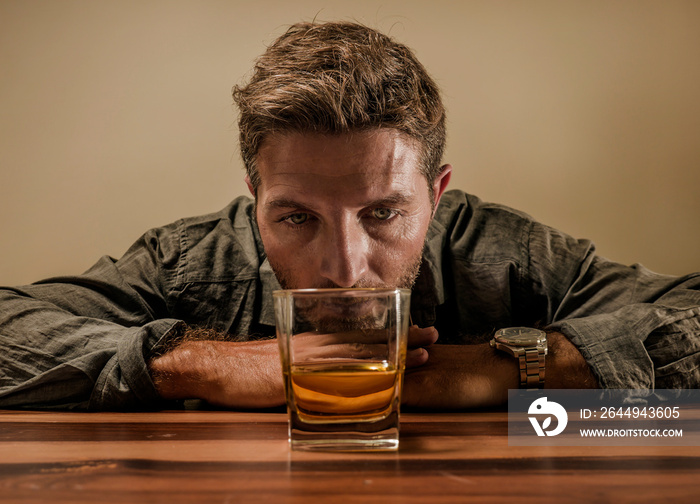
<point x="542" y="406"/>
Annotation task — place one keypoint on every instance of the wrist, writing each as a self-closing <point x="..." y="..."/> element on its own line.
<point x="528" y="348"/>
<point x="566" y="367"/>
<point x="506" y="373"/>
<point x="177" y="375"/>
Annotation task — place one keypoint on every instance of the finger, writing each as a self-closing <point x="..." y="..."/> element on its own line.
<point x="421" y="337"/>
<point x="351" y="351"/>
<point x="416" y="357"/>
<point x="367" y="336"/>
<point x="417" y="337"/>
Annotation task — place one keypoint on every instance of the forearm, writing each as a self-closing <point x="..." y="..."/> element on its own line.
<point x="223" y="373"/>
<point x="474" y="376"/>
<point x="204" y="364"/>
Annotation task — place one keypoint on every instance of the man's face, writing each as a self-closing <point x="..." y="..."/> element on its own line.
<point x="347" y="210"/>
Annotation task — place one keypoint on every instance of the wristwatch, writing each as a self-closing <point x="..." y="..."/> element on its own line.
<point x="529" y="346"/>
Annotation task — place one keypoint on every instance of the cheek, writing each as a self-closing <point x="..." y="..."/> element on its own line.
<point x="289" y="253"/>
<point x="274" y="247"/>
<point x="403" y="247"/>
<point x="288" y="242"/>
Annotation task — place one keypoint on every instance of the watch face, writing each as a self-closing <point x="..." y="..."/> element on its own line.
<point x="521" y="336"/>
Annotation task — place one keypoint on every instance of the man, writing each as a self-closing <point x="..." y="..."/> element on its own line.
<point x="342" y="134"/>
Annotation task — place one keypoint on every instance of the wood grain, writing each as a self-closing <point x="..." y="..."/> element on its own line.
<point x="220" y="456"/>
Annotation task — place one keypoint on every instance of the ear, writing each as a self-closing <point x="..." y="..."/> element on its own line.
<point x="440" y="184"/>
<point x="250" y="186"/>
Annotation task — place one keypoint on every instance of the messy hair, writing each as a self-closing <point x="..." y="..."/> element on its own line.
<point x="339" y="77"/>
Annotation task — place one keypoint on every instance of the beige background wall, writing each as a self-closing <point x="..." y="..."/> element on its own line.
<point x="116" y="116"/>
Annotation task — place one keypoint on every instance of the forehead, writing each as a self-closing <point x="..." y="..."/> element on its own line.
<point x="378" y="156"/>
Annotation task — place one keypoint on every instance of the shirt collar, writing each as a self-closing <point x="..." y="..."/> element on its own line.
<point x="269" y="285"/>
<point x="267" y="277"/>
<point x="428" y="291"/>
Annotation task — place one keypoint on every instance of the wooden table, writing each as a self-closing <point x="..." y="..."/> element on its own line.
<point x="230" y="457"/>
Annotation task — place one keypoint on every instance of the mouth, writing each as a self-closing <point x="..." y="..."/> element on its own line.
<point x="347" y="308"/>
<point x="342" y="313"/>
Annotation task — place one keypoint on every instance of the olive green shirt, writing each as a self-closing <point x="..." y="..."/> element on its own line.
<point x="83" y="341"/>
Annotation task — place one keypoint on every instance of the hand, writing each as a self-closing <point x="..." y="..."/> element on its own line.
<point x="366" y="344"/>
<point x="460" y="377"/>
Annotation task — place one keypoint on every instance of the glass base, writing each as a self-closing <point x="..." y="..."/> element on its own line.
<point x="382" y="435"/>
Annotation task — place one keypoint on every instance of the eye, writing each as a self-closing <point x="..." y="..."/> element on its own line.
<point x="298" y="218"/>
<point x="382" y="213"/>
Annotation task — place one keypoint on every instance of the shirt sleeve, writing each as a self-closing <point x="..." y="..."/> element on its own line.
<point x="635" y="328"/>
<point x="83" y="342"/>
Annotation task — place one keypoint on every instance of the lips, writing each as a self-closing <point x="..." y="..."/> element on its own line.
<point x="343" y="314"/>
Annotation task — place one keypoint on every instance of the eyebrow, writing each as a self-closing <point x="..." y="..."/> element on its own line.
<point x="395" y="199"/>
<point x="284" y="203"/>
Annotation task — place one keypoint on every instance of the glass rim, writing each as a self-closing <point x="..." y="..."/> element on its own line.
<point x="339" y="290"/>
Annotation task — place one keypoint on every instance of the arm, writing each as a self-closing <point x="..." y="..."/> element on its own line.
<point x="636" y="329"/>
<point x="82" y="342"/>
<point x="231" y="374"/>
<point x="241" y="374"/>
<point x="78" y="343"/>
<point x="499" y="268"/>
<point x="621" y="328"/>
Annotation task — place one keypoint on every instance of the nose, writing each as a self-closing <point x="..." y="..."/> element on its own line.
<point x="345" y="252"/>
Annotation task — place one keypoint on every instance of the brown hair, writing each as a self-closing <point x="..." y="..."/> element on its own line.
<point x="335" y="78"/>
